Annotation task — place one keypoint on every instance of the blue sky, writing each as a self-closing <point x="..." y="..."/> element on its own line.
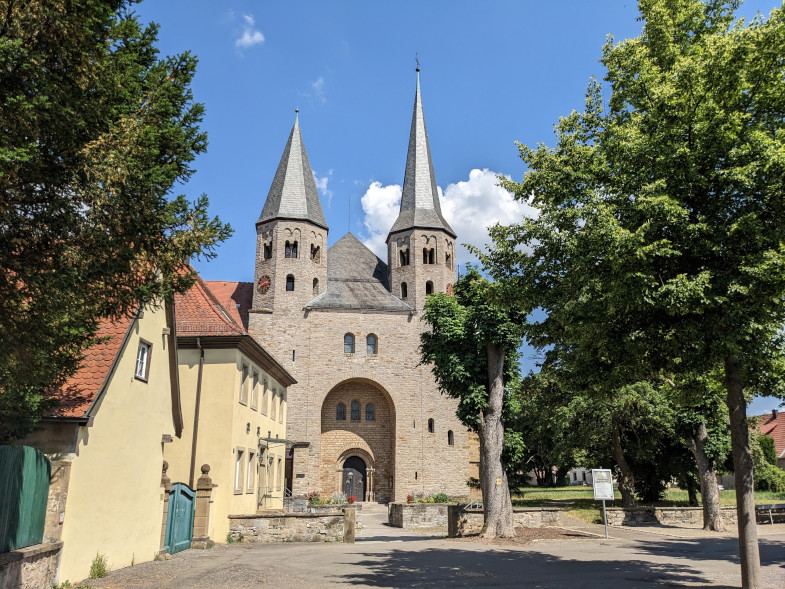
<point x="493" y="73"/>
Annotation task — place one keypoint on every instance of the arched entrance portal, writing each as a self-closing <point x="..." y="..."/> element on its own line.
<point x="358" y="432"/>
<point x="355" y="479"/>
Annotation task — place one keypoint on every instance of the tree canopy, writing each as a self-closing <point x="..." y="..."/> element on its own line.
<point x="659" y="242"/>
<point x="97" y="130"/>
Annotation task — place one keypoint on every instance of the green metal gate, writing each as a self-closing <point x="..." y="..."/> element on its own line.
<point x="180" y="519"/>
<point x="24" y="488"/>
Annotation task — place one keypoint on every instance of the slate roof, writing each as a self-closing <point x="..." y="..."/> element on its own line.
<point x="775" y="427"/>
<point x="356" y="280"/>
<point x="77" y="395"/>
<point x="293" y="192"/>
<point x="420" y="200"/>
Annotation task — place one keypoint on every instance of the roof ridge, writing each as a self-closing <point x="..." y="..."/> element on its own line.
<point x="216" y="306"/>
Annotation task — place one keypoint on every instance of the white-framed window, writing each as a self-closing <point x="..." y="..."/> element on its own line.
<point x="239" y="465"/>
<point x="142" y="370"/>
<point x="254" y="389"/>
<point x="274" y="408"/>
<point x="244" y="385"/>
<point x="250" y="474"/>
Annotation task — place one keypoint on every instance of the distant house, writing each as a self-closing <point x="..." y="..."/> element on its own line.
<point x="106" y="445"/>
<point x="774" y="425"/>
<point x="234" y="403"/>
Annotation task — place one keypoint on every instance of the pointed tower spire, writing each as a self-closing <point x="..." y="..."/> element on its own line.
<point x="420" y="201"/>
<point x="293" y="193"/>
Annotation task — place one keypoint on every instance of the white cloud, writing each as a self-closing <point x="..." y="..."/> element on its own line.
<point x="251" y="35"/>
<point x="318" y="89"/>
<point x="470" y="207"/>
<point x="380" y="205"/>
<point x="321" y="185"/>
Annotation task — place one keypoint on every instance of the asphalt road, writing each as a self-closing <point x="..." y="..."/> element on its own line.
<point x="390" y="557"/>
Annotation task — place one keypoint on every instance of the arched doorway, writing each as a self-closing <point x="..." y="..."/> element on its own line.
<point x="355" y="479"/>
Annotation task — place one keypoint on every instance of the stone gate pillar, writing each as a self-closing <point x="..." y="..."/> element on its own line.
<point x="166" y="483"/>
<point x="204" y="491"/>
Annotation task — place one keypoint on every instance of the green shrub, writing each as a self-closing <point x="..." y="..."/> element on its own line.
<point x="769" y="478"/>
<point x="99" y="567"/>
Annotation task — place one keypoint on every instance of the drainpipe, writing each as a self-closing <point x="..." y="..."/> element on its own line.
<point x="196" y="412"/>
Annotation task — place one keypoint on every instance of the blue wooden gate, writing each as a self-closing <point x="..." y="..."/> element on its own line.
<point x="24" y="488"/>
<point x="180" y="519"/>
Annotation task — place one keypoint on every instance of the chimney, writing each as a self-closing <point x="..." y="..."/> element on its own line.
<point x="774" y="413"/>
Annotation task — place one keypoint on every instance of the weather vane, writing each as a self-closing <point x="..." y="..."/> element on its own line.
<point x="417" y="59"/>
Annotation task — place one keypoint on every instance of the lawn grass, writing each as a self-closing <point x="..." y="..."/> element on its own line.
<point x="579" y="501"/>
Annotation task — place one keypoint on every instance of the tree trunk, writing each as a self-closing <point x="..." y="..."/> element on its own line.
<point x="495" y="491"/>
<point x="626" y="478"/>
<point x="742" y="467"/>
<point x="710" y="493"/>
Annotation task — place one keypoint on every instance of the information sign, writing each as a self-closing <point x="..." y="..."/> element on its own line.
<point x="602" y="481"/>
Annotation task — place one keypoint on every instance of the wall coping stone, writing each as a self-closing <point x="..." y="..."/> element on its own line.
<point x="286" y="514"/>
<point x="29" y="552"/>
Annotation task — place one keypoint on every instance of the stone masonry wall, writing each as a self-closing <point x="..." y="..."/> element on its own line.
<point x="417" y="515"/>
<point x="30" y="568"/>
<point x="669" y="516"/>
<point x="470" y="521"/>
<point x="292" y="527"/>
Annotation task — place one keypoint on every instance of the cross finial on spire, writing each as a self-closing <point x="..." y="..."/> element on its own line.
<point x="417" y="69"/>
<point x="296" y="115"/>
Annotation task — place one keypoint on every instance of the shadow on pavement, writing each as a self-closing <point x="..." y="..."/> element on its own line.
<point x="441" y="567"/>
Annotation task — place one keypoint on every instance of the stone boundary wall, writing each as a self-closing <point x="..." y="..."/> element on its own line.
<point x="327" y="526"/>
<point x="417" y="515"/>
<point x="304" y="507"/>
<point x="32" y="567"/>
<point x="470" y="521"/>
<point x="666" y="516"/>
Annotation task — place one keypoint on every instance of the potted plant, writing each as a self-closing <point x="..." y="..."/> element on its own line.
<point x="351" y="499"/>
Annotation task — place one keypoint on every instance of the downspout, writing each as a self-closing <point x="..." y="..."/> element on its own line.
<point x="196" y="412"/>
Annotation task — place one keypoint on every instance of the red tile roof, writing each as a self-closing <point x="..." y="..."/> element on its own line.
<point x="78" y="393"/>
<point x="235" y="297"/>
<point x="200" y="313"/>
<point x="775" y="427"/>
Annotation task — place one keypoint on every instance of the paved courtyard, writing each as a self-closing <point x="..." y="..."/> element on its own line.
<point x="391" y="557"/>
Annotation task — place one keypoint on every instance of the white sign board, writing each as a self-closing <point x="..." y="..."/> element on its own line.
<point x="602" y="482"/>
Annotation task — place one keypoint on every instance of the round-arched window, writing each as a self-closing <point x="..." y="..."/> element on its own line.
<point x="340" y="412"/>
<point x="430" y="426"/>
<point x="450" y="438"/>
<point x="404" y="290"/>
<point x="370" y="345"/>
<point x="348" y="344"/>
<point x="370" y="414"/>
<point x="355" y="411"/>
<point x="290" y="282"/>
<point x="429" y="287"/>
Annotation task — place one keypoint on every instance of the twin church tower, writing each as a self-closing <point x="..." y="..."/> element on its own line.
<point x="365" y="418"/>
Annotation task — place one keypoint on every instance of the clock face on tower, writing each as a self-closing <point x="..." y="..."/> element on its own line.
<point x="264" y="284"/>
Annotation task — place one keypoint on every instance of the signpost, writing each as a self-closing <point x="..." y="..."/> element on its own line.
<point x="602" y="482"/>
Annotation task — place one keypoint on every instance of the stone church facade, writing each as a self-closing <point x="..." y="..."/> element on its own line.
<point x="365" y="417"/>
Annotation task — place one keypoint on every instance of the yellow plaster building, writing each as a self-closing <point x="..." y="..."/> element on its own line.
<point x="234" y="404"/>
<point x="106" y="442"/>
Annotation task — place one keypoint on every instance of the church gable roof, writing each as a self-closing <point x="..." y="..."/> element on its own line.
<point x="356" y="280"/>
<point x="420" y="199"/>
<point x="293" y="193"/>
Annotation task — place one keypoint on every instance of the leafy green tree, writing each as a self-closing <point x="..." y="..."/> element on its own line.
<point x="659" y="239"/>
<point x="473" y="349"/>
<point x="96" y="132"/>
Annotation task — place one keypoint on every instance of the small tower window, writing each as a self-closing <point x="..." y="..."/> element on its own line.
<point x="268" y="251"/>
<point x="340" y="412"/>
<point x="316" y="253"/>
<point x="404" y="290"/>
<point x="448" y="260"/>
<point x="355" y="411"/>
<point x="370" y="345"/>
<point x="404" y="257"/>
<point x="429" y="287"/>
<point x="290" y="282"/>
<point x="369" y="412"/>
<point x="348" y="344"/>
<point x="315" y="286"/>
<point x="430" y="426"/>
<point x="450" y="438"/>
<point x="294" y="249"/>
<point x="287" y="250"/>
<point x="428" y="255"/>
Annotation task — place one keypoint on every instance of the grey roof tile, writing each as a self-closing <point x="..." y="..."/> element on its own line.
<point x="420" y="200"/>
<point x="293" y="193"/>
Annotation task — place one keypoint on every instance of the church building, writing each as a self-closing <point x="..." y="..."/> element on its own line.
<point x="365" y="417"/>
